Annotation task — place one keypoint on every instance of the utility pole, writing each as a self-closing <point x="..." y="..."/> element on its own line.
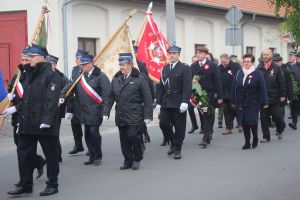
<point x="170" y="12"/>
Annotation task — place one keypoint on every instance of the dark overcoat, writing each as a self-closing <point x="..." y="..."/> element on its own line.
<point x="249" y="97"/>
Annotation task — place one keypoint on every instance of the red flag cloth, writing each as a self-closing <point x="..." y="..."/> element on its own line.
<point x="152" y="48"/>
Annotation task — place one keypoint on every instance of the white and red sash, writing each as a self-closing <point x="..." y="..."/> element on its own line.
<point x="19" y="89"/>
<point x="90" y="91"/>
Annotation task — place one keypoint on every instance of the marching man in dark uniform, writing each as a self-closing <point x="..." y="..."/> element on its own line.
<point x="16" y="98"/>
<point x="91" y="91"/>
<point x="130" y="91"/>
<point x="210" y="82"/>
<point x="173" y="96"/>
<point x="295" y="104"/>
<point x="38" y="122"/>
<point x="275" y="84"/>
<point x="228" y="70"/>
<point x="73" y="108"/>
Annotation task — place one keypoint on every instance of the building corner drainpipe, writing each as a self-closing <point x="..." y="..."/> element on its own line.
<point x="65" y="35"/>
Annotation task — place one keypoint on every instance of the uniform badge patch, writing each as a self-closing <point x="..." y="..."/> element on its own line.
<point x="53" y="87"/>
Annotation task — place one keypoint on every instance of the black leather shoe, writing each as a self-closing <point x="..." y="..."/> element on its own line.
<point x="177" y="155"/>
<point x="40" y="169"/>
<point x="201" y="132"/>
<point x="88" y="153"/>
<point x="89" y="163"/>
<point x="165" y="142"/>
<point x="171" y="152"/>
<point x="97" y="162"/>
<point x="124" y="167"/>
<point x="246" y="146"/>
<point x="293" y="126"/>
<point x="135" y="165"/>
<point x="203" y="144"/>
<point x="254" y="143"/>
<point x="20" y="190"/>
<point x="49" y="191"/>
<point x="192" y="130"/>
<point x="76" y="150"/>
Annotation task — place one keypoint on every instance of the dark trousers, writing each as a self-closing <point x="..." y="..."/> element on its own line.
<point x="229" y="114"/>
<point x="208" y="125"/>
<point x="93" y="141"/>
<point x="27" y="154"/>
<point x="77" y="131"/>
<point x="59" y="148"/>
<point x="131" y="140"/>
<point x="274" y="110"/>
<point x="173" y="116"/>
<point x="192" y="115"/>
<point x="295" y="109"/>
<point x="39" y="160"/>
<point x="247" y="133"/>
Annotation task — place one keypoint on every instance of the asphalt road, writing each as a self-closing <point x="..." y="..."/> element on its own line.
<point x="222" y="171"/>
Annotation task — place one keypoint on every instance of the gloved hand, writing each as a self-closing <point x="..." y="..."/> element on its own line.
<point x="61" y="101"/>
<point x="44" y="126"/>
<point x="147" y="121"/>
<point x="68" y="116"/>
<point x="183" y="107"/>
<point x="157" y="108"/>
<point x="9" y="111"/>
<point x="10" y="96"/>
<point x="105" y="118"/>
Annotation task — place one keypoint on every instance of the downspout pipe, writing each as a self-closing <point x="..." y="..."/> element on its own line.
<point x="65" y="35"/>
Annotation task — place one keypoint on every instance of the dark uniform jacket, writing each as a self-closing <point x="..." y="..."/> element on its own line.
<point x="40" y="100"/>
<point x="175" y="86"/>
<point x="275" y="83"/>
<point x="209" y="80"/>
<point x="65" y="81"/>
<point x="288" y="82"/>
<point x="17" y="99"/>
<point x="227" y="75"/>
<point x="143" y="69"/>
<point x="72" y="102"/>
<point x="132" y="97"/>
<point x="295" y="71"/>
<point x="248" y="97"/>
<point x="90" y="110"/>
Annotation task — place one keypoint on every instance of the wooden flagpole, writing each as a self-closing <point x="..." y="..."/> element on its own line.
<point x="38" y="26"/>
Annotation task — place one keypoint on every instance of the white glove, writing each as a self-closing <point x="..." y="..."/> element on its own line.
<point x="9" y="111"/>
<point x="10" y="96"/>
<point x="44" y="126"/>
<point x="68" y="116"/>
<point x="183" y="107"/>
<point x="157" y="108"/>
<point x="147" y="121"/>
<point x="61" y="100"/>
<point x="105" y="118"/>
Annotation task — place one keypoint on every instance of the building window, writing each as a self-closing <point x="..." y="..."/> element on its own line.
<point x="250" y="50"/>
<point x="88" y="45"/>
<point x="199" y="45"/>
<point x="273" y="50"/>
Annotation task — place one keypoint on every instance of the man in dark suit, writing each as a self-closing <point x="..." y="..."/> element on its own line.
<point x="228" y="70"/>
<point x="173" y="96"/>
<point x="211" y="83"/>
<point x="276" y="89"/>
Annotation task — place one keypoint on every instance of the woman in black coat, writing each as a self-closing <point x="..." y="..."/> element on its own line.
<point x="248" y="95"/>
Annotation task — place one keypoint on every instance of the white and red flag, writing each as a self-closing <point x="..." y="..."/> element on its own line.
<point x="152" y="47"/>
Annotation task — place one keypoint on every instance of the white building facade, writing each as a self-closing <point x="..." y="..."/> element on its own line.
<point x="87" y="24"/>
